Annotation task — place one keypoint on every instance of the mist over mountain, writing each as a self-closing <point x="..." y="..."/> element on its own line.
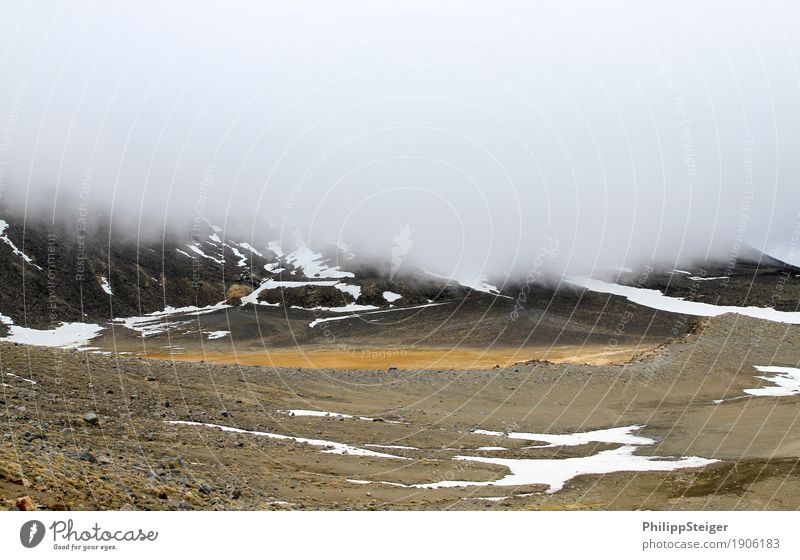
<point x="439" y="255"/>
<point x="473" y="139"/>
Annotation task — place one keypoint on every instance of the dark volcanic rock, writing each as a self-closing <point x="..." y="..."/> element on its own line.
<point x="307" y="296"/>
<point x="73" y="258"/>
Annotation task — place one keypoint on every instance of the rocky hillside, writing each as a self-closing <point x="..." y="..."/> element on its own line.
<point x="58" y="272"/>
<point x="84" y="269"/>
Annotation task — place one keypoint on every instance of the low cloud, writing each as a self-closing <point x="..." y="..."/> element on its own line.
<point x="473" y="132"/>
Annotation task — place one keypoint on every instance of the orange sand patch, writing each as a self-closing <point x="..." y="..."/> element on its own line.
<point x="407" y="358"/>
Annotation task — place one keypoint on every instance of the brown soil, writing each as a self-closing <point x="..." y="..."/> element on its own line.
<point x="134" y="458"/>
<point x="408" y="358"/>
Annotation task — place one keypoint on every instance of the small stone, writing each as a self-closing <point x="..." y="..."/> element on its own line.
<point x="224" y="413"/>
<point x="103" y="459"/>
<point x="25" y="503"/>
<point x="86" y="456"/>
<point x="205" y="489"/>
<point x="91" y="418"/>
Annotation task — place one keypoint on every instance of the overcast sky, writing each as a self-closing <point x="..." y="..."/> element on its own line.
<point x="626" y="130"/>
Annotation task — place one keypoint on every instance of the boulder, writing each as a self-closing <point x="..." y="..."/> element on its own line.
<point x="25" y="503"/>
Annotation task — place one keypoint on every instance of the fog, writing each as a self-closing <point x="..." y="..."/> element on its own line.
<point x="467" y="136"/>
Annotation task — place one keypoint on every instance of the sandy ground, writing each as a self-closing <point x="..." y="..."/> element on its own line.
<point x="408" y="358"/>
<point x="135" y="457"/>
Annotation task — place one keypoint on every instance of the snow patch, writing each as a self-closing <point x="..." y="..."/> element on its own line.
<point x="480" y="285"/>
<point x="314" y="265"/>
<point x="214" y="335"/>
<point x="622" y="435"/>
<point x="316" y="322"/>
<point x="786" y="382"/>
<point x="242" y="263"/>
<point x="158" y="322"/>
<point x="105" y="285"/>
<point x="196" y="249"/>
<point x="351" y="289"/>
<point x="66" y="335"/>
<point x="654" y="299"/>
<point x="317" y="413"/>
<point x="245" y="245"/>
<point x="555" y="473"/>
<point x="270" y="284"/>
<point x="704" y="278"/>
<point x="358" y="481"/>
<point x="349" y="308"/>
<point x="332" y="447"/>
<point x="477" y="284"/>
<point x="391" y="296"/>
<point x="336" y="415"/>
<point x="5" y="239"/>
<point x="26" y="380"/>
